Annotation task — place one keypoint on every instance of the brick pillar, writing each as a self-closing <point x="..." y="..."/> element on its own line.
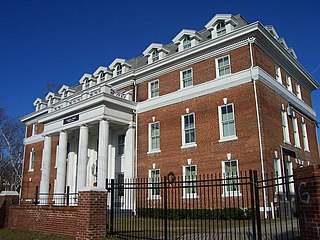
<point x="307" y="187"/>
<point x="92" y="212"/>
<point x="7" y="198"/>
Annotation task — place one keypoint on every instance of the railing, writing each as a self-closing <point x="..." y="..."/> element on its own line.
<point x="241" y="206"/>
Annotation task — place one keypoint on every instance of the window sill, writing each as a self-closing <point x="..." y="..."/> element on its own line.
<point x="154" y="151"/>
<point x="287" y="142"/>
<point x="194" y="196"/>
<point x="150" y="98"/>
<point x="154" y="198"/>
<point x="299" y="147"/>
<point x="189" y="145"/>
<point x="222" y="76"/>
<point x="236" y="194"/>
<point x="307" y="150"/>
<point x="226" y="139"/>
<point x="31" y="170"/>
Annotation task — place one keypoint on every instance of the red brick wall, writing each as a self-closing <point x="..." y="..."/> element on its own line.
<point x="202" y="72"/>
<point x="210" y="152"/>
<point x="54" y="220"/>
<point x="307" y="187"/>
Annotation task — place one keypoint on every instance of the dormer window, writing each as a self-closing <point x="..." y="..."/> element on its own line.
<point x="102" y="76"/>
<point x="39" y="104"/>
<point x="119" y="70"/>
<point x="65" y="91"/>
<point x="221" y="29"/>
<point x="87" y="83"/>
<point x="155" y="55"/>
<point x="65" y="94"/>
<point x="186" y="42"/>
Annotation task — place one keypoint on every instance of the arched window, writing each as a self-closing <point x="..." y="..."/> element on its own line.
<point x="186" y="42"/>
<point x="155" y="55"/>
<point x="119" y="69"/>
<point x="221" y="29"/>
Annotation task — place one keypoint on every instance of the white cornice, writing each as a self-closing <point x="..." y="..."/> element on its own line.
<point x="33" y="139"/>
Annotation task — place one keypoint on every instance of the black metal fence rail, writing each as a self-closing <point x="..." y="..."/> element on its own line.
<point x="240" y="206"/>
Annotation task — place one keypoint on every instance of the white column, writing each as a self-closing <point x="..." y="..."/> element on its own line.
<point x="103" y="153"/>
<point x="45" y="174"/>
<point x="129" y="151"/>
<point x="82" y="157"/>
<point x="61" y="164"/>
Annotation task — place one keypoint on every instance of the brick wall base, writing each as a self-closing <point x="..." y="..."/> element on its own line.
<point x="307" y="187"/>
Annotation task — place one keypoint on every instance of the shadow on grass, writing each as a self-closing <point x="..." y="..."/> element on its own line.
<point x="10" y="234"/>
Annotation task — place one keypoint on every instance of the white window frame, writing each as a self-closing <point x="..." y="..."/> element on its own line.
<point x="153" y="150"/>
<point x="290" y="175"/>
<point x="221" y="29"/>
<point x="217" y="66"/>
<point x="298" y="91"/>
<point x="222" y="137"/>
<point x="305" y="136"/>
<point x="150" y="89"/>
<point x="278" y="175"/>
<point x="151" y="195"/>
<point x="296" y="132"/>
<point x="182" y="80"/>
<point x="185" y="44"/>
<point x="285" y="127"/>
<point x="226" y="192"/>
<point x="190" y="144"/>
<point x="31" y="160"/>
<point x="35" y="129"/>
<point x="102" y="76"/>
<point x="121" y="144"/>
<point x="57" y="156"/>
<point x="87" y="83"/>
<point x="277" y="70"/>
<point x="186" y="184"/>
<point x="155" y="55"/>
<point x="289" y="83"/>
<point x="119" y="70"/>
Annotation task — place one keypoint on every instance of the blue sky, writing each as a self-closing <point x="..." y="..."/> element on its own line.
<point x="58" y="41"/>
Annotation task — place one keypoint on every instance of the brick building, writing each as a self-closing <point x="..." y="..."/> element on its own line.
<point x="228" y="98"/>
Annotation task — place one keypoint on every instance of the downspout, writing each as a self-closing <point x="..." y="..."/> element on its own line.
<point x="136" y="132"/>
<point x="251" y="40"/>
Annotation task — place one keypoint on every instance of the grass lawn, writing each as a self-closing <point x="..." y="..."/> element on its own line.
<point x="9" y="234"/>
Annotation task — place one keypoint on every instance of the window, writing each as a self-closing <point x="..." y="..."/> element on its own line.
<point x="119" y="69"/>
<point x="223" y="66"/>
<point x="120" y="184"/>
<point x="298" y="91"/>
<point x="155" y="55"/>
<point x="87" y="83"/>
<point x="31" y="162"/>
<point x="277" y="175"/>
<point x="154" y="136"/>
<point x="65" y="94"/>
<point x="289" y="84"/>
<point x="188" y="130"/>
<point x="154" y="181"/>
<point x="121" y="140"/>
<point x="305" y="136"/>
<point x="290" y="175"/>
<point x="154" y="89"/>
<point x="221" y="29"/>
<point x="285" y="127"/>
<point x="278" y="73"/>
<point x="227" y="122"/>
<point x="186" y="78"/>
<point x="34" y="129"/>
<point x="230" y="176"/>
<point x="102" y="76"/>
<point x="190" y="181"/>
<point x="296" y="132"/>
<point x="186" y="42"/>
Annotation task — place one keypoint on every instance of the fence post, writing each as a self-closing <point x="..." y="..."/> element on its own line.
<point x="165" y="207"/>
<point x="256" y="190"/>
<point x="68" y="194"/>
<point x="36" y="197"/>
<point x="253" y="218"/>
<point x="111" y="207"/>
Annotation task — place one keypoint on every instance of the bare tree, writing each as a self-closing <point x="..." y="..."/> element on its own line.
<point x="11" y="152"/>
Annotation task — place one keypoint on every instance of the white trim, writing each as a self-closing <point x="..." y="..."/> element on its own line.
<point x="186" y="195"/>
<point x="149" y="88"/>
<point x="305" y="136"/>
<point x="33" y="139"/>
<point x="150" y="195"/>
<point x="285" y="126"/>
<point x="217" y="67"/>
<point x="181" y="77"/>
<point x="230" y="193"/>
<point x="31" y="156"/>
<point x="191" y="144"/>
<point x="150" y="150"/>
<point x="231" y="137"/>
<point x="296" y="132"/>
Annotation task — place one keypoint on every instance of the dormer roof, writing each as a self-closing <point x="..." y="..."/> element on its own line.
<point x="64" y="87"/>
<point x="221" y="17"/>
<point x="153" y="46"/>
<point x="101" y="69"/>
<point x="51" y="94"/>
<point x="186" y="32"/>
<point x="84" y="77"/>
<point x="283" y="43"/>
<point x="118" y="61"/>
<point x="37" y="101"/>
<point x="272" y="30"/>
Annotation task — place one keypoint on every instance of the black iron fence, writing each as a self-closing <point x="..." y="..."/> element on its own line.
<point x="63" y="199"/>
<point x="239" y="206"/>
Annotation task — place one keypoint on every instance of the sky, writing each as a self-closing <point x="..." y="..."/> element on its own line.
<point x="55" y="41"/>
